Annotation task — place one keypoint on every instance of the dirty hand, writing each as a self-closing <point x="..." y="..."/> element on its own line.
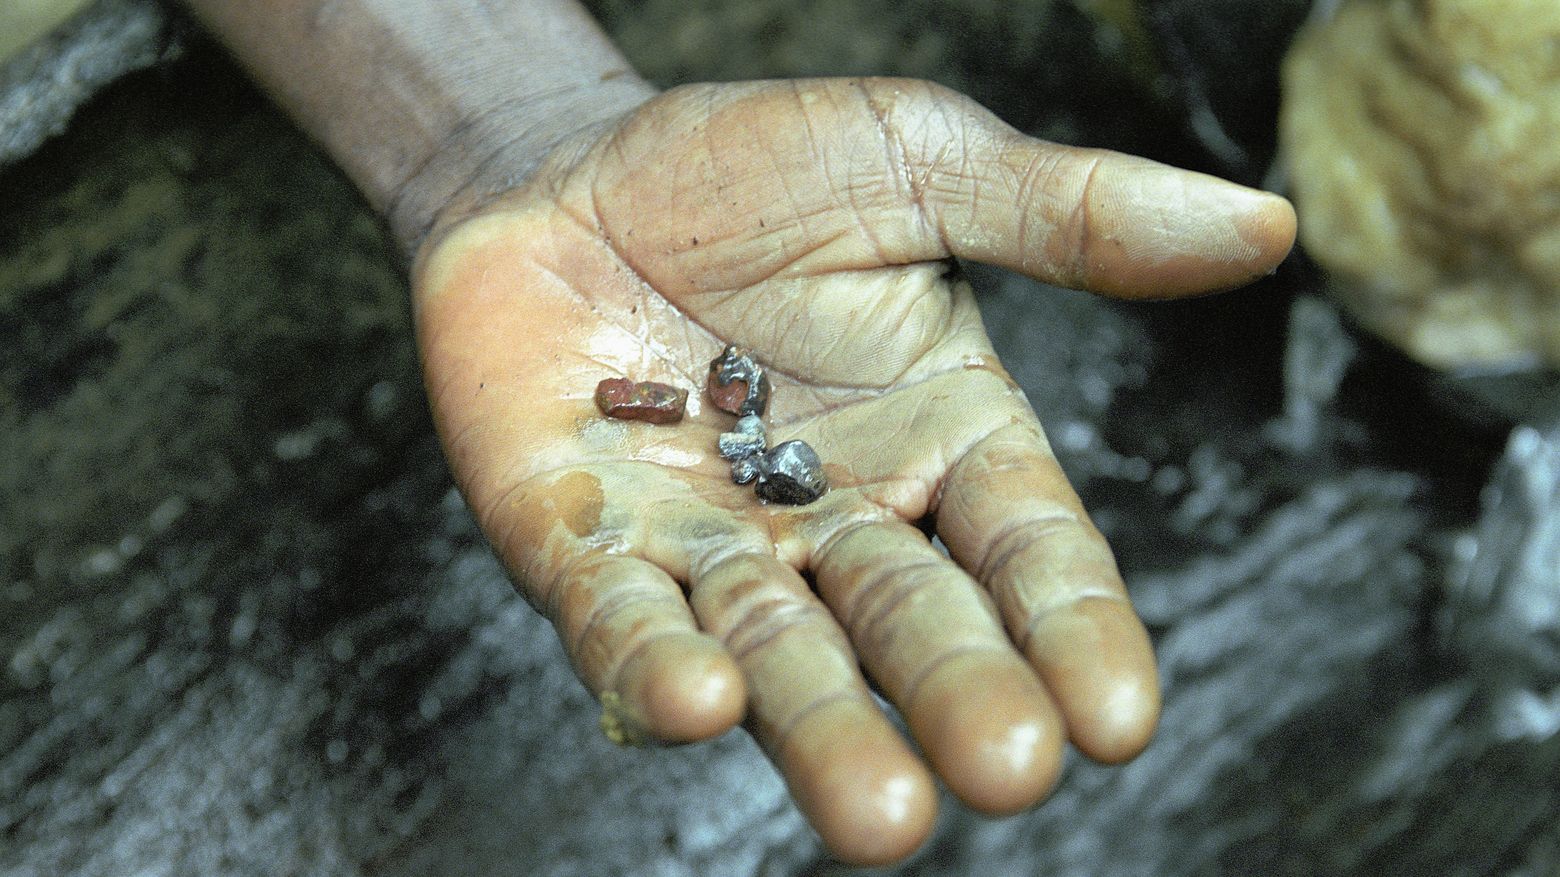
<point x="815" y="222"/>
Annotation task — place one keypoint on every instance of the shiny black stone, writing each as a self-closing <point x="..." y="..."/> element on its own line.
<point x="790" y="473"/>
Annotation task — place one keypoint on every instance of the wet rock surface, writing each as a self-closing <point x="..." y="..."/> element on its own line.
<point x="43" y="84"/>
<point x="249" y="627"/>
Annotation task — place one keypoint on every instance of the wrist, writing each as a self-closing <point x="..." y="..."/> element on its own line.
<point x="426" y="102"/>
<point x="500" y="146"/>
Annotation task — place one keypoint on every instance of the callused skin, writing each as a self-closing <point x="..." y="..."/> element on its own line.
<point x="583" y="228"/>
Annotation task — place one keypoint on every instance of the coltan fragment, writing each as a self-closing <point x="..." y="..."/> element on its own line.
<point x="737" y="384"/>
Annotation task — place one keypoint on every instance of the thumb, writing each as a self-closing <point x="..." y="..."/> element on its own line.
<point x="1083" y="218"/>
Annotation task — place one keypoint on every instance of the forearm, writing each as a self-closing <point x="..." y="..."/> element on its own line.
<point x="423" y="102"/>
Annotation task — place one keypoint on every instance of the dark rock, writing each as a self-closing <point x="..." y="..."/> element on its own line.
<point x="745" y="469"/>
<point x="745" y="440"/>
<point x="790" y="473"/>
<point x="736" y="445"/>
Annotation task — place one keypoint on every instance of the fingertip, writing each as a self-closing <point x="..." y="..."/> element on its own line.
<point x="1123" y="723"/>
<point x="1267" y="222"/>
<point x="998" y="743"/>
<point x="1273" y="224"/>
<point x="1155" y="231"/>
<point x="1096" y="659"/>
<point x="684" y="687"/>
<point x="869" y="797"/>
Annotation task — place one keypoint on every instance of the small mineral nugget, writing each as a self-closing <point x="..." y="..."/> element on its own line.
<point x="745" y="440"/>
<point x="790" y="473"/>
<point x="646" y="400"/>
<point x="745" y="469"/>
<point x="737" y="384"/>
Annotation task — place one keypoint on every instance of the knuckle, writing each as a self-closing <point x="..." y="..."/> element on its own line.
<point x="935" y="662"/>
<point x="887" y="596"/>
<point x="1079" y="224"/>
<point x="780" y="731"/>
<point x="1024" y="538"/>
<point x="765" y="620"/>
<point x="1072" y="601"/>
<point x="595" y="619"/>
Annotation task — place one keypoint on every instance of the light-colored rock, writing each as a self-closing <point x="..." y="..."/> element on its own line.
<point x="22" y="21"/>
<point x="1423" y="138"/>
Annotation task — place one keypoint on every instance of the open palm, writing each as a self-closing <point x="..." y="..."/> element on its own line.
<point x="815" y="222"/>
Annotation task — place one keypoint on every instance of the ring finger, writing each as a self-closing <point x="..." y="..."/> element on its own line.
<point x="850" y="771"/>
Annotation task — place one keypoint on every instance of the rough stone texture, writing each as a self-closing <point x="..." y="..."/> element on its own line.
<point x="649" y="401"/>
<point x="1420" y="137"/>
<point x="41" y="87"/>
<point x="791" y="473"/>
<point x="1504" y="591"/>
<point x="746" y="439"/>
<point x="248" y="627"/>
<point x="736" y="383"/>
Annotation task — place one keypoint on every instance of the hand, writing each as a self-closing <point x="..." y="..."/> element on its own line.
<point x="815" y="222"/>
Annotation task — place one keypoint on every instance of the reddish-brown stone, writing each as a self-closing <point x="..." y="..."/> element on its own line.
<point x="646" y="400"/>
<point x="730" y="397"/>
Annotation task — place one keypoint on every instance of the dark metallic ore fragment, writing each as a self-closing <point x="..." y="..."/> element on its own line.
<point x="646" y="400"/>
<point x="745" y="440"/>
<point x="744" y="446"/>
<point x="737" y="384"/>
<point x="790" y="473"/>
<point x="744" y="470"/>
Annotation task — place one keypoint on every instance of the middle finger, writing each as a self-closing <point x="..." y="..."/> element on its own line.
<point x="847" y="767"/>
<point x="929" y="636"/>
